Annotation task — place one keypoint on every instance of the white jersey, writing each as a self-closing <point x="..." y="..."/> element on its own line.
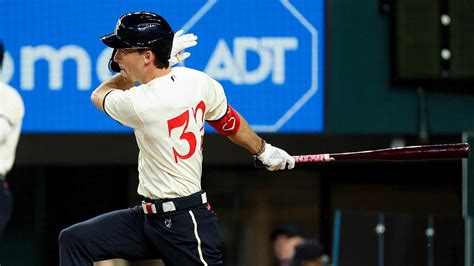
<point x="167" y="115"/>
<point x="12" y="110"/>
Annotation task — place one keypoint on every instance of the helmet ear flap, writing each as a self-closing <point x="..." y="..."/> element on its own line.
<point x="114" y="66"/>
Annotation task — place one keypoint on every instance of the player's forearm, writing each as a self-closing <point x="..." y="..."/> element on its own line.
<point x="115" y="82"/>
<point x="247" y="138"/>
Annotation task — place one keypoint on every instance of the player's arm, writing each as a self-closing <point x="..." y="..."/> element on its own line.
<point x="12" y="111"/>
<point x="114" y="83"/>
<point x="236" y="128"/>
<point x="246" y="137"/>
<point x="5" y="128"/>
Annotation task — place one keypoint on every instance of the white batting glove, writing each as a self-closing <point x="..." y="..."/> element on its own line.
<point x="181" y="42"/>
<point x="275" y="158"/>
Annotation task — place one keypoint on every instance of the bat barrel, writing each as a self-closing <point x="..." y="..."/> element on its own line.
<point x="424" y="152"/>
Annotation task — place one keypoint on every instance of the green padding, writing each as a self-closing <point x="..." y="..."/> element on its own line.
<point x="18" y="252"/>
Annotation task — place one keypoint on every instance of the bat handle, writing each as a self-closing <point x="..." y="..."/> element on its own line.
<point x="324" y="157"/>
<point x="257" y="163"/>
<point x="300" y="159"/>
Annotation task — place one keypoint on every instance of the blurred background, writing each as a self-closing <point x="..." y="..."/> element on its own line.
<point x="318" y="76"/>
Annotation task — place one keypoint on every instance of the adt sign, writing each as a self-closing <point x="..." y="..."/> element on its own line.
<point x="268" y="55"/>
<point x="227" y="65"/>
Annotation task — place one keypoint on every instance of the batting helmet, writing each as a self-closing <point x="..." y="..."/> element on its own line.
<point x="141" y="30"/>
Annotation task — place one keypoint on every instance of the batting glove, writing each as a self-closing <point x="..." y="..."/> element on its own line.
<point x="181" y="42"/>
<point x="275" y="158"/>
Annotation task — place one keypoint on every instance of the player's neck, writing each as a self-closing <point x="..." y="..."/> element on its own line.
<point x="155" y="73"/>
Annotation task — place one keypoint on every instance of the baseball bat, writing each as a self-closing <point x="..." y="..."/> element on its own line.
<point x="408" y="153"/>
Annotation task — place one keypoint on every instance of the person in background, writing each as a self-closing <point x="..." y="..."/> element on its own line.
<point x="11" y="116"/>
<point x="284" y="240"/>
<point x="309" y="253"/>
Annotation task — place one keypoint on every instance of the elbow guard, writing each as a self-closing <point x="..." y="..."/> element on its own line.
<point x="227" y="125"/>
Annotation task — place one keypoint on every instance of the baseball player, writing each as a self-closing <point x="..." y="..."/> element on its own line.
<point x="11" y="116"/>
<point x="167" y="111"/>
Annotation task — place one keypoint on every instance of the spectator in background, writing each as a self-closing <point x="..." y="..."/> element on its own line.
<point x="284" y="240"/>
<point x="11" y="117"/>
<point x="309" y="253"/>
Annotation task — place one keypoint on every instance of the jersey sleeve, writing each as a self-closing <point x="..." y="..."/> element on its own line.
<point x="118" y="105"/>
<point x="216" y="101"/>
<point x="12" y="108"/>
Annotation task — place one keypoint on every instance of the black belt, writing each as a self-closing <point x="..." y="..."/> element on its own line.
<point x="151" y="206"/>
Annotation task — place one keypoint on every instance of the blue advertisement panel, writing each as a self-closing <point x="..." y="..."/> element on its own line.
<point x="268" y="55"/>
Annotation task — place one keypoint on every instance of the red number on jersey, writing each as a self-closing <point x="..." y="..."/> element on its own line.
<point x="189" y="137"/>
<point x="180" y="120"/>
<point x="201" y="106"/>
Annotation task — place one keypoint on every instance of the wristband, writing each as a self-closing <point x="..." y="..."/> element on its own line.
<point x="262" y="149"/>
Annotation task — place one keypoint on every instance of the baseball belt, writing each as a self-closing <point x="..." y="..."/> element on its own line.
<point x="151" y="206"/>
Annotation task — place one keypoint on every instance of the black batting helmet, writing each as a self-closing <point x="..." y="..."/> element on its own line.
<point x="141" y="30"/>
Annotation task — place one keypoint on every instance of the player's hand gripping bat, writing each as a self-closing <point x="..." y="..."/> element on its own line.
<point x="409" y="153"/>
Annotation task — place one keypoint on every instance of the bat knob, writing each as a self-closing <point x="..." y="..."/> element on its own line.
<point x="257" y="163"/>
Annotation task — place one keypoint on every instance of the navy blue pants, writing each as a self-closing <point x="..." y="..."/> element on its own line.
<point x="182" y="237"/>
<point x="6" y="202"/>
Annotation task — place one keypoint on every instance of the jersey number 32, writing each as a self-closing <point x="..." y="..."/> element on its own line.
<point x="181" y="122"/>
